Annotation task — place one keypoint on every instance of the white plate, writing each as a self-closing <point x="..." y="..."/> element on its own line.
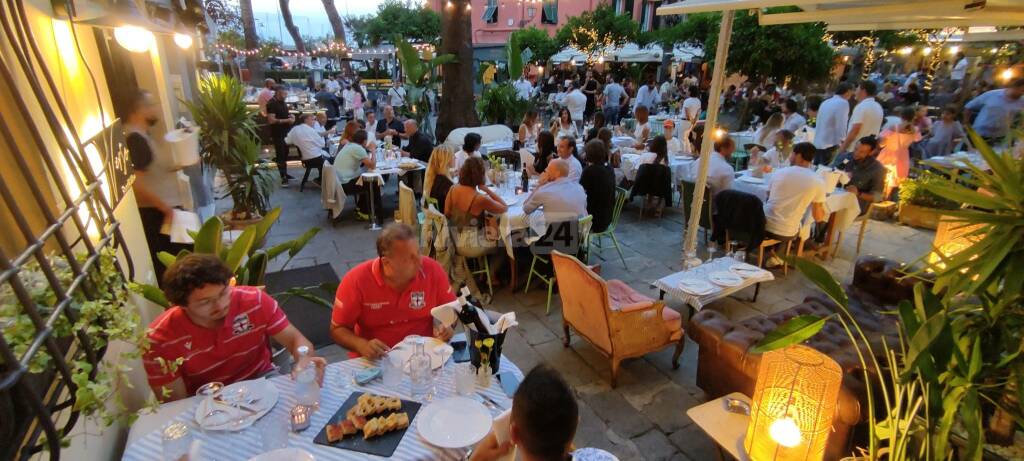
<point x="751" y="179"/>
<point x="284" y="454"/>
<point x="262" y="388"/>
<point x="592" y="454"/>
<point x="745" y="270"/>
<point x="724" y="278"/>
<point x="695" y="286"/>
<point x="439" y="352"/>
<point x="455" y="422"/>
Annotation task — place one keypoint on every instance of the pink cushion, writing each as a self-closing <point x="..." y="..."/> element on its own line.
<point x="623" y="298"/>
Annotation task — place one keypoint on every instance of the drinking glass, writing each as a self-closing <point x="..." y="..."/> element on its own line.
<point x="274" y="428"/>
<point x="712" y="249"/>
<point x="176" y="439"/>
<point x="392" y="373"/>
<point x="740" y="255"/>
<point x="465" y="378"/>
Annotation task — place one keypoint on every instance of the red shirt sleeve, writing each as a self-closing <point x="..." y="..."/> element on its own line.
<point x="273" y="315"/>
<point x="158" y="360"/>
<point x="348" y="303"/>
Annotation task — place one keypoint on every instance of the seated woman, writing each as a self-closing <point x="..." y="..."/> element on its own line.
<point x="777" y="156"/>
<point x="437" y="179"/>
<point x="642" y="132"/>
<point x="466" y="206"/>
<point x="598" y="181"/>
<point x="598" y="124"/>
<point x="528" y="129"/>
<point x="658" y="152"/>
<point x="346" y="135"/>
<point x="470" y="148"/>
<point x="545" y="152"/>
<point x="614" y="156"/>
<point x="766" y="133"/>
<point x="563" y="125"/>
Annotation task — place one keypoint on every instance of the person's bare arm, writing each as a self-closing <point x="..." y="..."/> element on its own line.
<point x="370" y="162"/>
<point x="493" y="202"/>
<point x="522" y="134"/>
<point x="371" y="349"/>
<point x="174" y="390"/>
<point x="149" y="196"/>
<point x="854" y="129"/>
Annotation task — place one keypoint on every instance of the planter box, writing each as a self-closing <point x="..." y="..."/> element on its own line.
<point x="918" y="216"/>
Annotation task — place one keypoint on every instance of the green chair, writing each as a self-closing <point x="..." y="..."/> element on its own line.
<point x="620" y="201"/>
<point x="686" y="197"/>
<point x="581" y="254"/>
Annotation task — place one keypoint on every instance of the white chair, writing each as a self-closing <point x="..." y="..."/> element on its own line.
<point x="407" y="207"/>
<point x="332" y="195"/>
<point x="489" y="133"/>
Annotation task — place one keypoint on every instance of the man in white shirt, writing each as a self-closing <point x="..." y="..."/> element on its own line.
<point x="564" y="150"/>
<point x="831" y="126"/>
<point x="867" y="115"/>
<point x="886" y="94"/>
<point x="576" y="102"/>
<point x="667" y="90"/>
<point x="332" y="85"/>
<point x="790" y="191"/>
<point x="720" y="172"/>
<point x="310" y="143"/>
<point x="614" y="98"/>
<point x="524" y="88"/>
<point x="959" y="69"/>
<point x="692" y="105"/>
<point x="648" y="97"/>
<point x="561" y="198"/>
<point x="348" y="95"/>
<point x="792" y="120"/>
<point x="396" y="95"/>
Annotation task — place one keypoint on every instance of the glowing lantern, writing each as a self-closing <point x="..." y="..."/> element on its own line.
<point x="1006" y="75"/>
<point x="906" y="50"/>
<point x="134" y="38"/>
<point x="794" y="400"/>
<point x="184" y="41"/>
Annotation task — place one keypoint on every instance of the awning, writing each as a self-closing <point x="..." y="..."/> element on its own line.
<point x="629" y="52"/>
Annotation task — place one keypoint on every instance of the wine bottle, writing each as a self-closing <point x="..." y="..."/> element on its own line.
<point x="526" y="181"/>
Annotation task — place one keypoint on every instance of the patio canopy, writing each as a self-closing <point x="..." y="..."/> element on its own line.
<point x="839" y="15"/>
<point x="630" y="52"/>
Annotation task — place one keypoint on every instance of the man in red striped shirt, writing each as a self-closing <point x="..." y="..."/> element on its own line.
<point x="215" y="331"/>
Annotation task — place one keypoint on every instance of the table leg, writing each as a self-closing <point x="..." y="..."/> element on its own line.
<point x="373" y="213"/>
<point x="661" y="295"/>
<point x="757" y="289"/>
<point x="829" y="235"/>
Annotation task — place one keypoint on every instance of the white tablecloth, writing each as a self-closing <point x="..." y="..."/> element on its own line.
<point x="960" y="160"/>
<point x="670" y="284"/>
<point x="242" y="445"/>
<point x="515" y="219"/>
<point x="678" y="164"/>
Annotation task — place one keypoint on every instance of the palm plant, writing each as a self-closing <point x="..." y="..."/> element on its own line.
<point x="499" y="103"/>
<point x="419" y="76"/>
<point x="229" y="143"/>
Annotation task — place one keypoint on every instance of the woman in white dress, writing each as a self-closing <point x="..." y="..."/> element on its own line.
<point x="563" y="126"/>
<point x="643" y="128"/>
<point x="528" y="129"/>
<point x="766" y="133"/>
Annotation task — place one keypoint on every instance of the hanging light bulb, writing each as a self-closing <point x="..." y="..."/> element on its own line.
<point x="469" y="7"/>
<point x="449" y="4"/>
<point x="906" y="50"/>
<point x="134" y="38"/>
<point x="1006" y="75"/>
<point x="184" y="41"/>
<point x="600" y="59"/>
<point x="926" y="51"/>
<point x="540" y="70"/>
<point x="572" y="62"/>
<point x="954" y="49"/>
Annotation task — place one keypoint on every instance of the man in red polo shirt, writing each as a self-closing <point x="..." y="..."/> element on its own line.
<point x="385" y="299"/>
<point x="215" y="331"/>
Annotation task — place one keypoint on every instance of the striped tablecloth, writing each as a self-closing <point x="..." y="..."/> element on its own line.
<point x="242" y="445"/>
<point x="670" y="284"/>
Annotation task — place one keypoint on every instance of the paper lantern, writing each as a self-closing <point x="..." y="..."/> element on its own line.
<point x="794" y="400"/>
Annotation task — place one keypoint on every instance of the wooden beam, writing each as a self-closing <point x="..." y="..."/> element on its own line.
<point x="938" y="7"/>
<point x="704" y="6"/>
<point x="1002" y="36"/>
<point x="924" y="24"/>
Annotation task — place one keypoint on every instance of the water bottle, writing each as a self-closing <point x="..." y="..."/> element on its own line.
<point x="307" y="391"/>
<point x="420" y="372"/>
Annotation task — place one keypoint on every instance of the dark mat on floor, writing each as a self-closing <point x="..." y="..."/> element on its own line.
<point x="312" y="319"/>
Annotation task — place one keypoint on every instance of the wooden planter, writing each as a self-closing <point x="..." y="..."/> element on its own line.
<point x="230" y="223"/>
<point x="919" y="216"/>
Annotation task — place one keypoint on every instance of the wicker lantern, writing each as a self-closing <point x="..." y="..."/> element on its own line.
<point x="794" y="400"/>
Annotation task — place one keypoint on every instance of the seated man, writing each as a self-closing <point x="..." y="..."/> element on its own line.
<point x="720" y="172"/>
<point x="561" y="198"/>
<point x="219" y="331"/>
<point x="420" y="145"/>
<point x="867" y="174"/>
<point x="389" y="126"/>
<point x="790" y="191"/>
<point x="566" y="150"/>
<point x="310" y="143"/>
<point x="385" y="299"/>
<point x="543" y="422"/>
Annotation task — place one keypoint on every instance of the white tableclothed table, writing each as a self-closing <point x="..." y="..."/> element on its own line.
<point x="623" y="141"/>
<point x="670" y="283"/>
<point x="842" y="203"/>
<point x="959" y="161"/>
<point x="242" y="445"/>
<point x="515" y="218"/>
<point x="679" y="164"/>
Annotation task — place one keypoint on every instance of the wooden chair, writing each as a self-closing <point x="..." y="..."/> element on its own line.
<point x="620" y="201"/>
<point x="686" y="197"/>
<point x="863" y="220"/>
<point x="619" y="322"/>
<point x="767" y="243"/>
<point x="407" y="207"/>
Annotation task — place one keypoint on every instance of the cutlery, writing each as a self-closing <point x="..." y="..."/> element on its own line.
<point x="489" y="402"/>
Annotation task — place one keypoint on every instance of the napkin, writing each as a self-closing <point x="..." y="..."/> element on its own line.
<point x="181" y="222"/>
<point x="221" y="418"/>
<point x="506" y="321"/>
<point x="446" y="313"/>
<point x="502" y="428"/>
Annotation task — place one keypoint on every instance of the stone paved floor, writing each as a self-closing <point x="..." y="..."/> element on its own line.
<point x="644" y="418"/>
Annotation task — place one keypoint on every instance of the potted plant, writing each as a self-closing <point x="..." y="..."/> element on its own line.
<point x="919" y="207"/>
<point x="229" y="143"/>
<point x="499" y="104"/>
<point x="420" y="75"/>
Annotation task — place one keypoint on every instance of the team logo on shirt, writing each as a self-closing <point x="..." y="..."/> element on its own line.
<point x="188" y="345"/>
<point x="241" y="324"/>
<point x="417" y="300"/>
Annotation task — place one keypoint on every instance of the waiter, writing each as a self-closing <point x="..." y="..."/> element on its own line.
<point x="156" y="177"/>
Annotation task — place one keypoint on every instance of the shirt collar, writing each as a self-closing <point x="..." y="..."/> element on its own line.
<point x="377" y="270"/>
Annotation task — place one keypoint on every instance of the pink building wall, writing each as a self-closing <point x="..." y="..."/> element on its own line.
<point x="519" y="12"/>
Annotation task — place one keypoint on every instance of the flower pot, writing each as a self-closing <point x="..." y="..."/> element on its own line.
<point x="919" y="216"/>
<point x="237" y="222"/>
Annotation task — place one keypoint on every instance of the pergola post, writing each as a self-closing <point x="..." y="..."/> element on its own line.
<point x="714" y="95"/>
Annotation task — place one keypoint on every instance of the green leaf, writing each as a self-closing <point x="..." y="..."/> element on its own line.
<point x="794" y="331"/>
<point x="208" y="239"/>
<point x="150" y="292"/>
<point x="515" y="57"/>
<point x="256" y="267"/>
<point x="923" y="339"/>
<point x="300" y="243"/>
<point x="950" y="407"/>
<point x="823" y="279"/>
<point x="240" y="248"/>
<point x="166" y="258"/>
<point x="305" y="293"/>
<point x="263" y="227"/>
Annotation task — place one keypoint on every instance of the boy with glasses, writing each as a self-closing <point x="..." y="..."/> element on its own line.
<point x="215" y="331"/>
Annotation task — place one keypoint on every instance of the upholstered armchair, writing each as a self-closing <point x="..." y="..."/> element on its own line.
<point x="617" y="320"/>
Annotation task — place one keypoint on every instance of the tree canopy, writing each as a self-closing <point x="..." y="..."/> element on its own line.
<point x="537" y="40"/>
<point x="593" y="30"/>
<point x="418" y="24"/>
<point x="797" y="51"/>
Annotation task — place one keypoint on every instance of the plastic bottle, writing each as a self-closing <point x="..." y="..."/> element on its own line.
<point x="307" y="391"/>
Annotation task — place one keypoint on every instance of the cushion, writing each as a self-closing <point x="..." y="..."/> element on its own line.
<point x="623" y="298"/>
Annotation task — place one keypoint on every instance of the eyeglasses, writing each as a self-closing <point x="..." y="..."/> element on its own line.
<point x="207" y="303"/>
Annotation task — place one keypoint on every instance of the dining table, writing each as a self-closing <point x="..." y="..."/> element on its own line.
<point x="145" y="437"/>
<point x="679" y="164"/>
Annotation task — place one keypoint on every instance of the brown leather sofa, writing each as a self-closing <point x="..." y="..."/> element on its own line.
<point x="724" y="364"/>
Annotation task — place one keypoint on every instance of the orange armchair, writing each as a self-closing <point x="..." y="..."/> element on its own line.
<point x="620" y="322"/>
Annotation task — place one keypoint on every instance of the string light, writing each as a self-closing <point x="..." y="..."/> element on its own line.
<point x="954" y="49"/>
<point x="469" y="7"/>
<point x="906" y="50"/>
<point x="926" y="51"/>
<point x="334" y="48"/>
